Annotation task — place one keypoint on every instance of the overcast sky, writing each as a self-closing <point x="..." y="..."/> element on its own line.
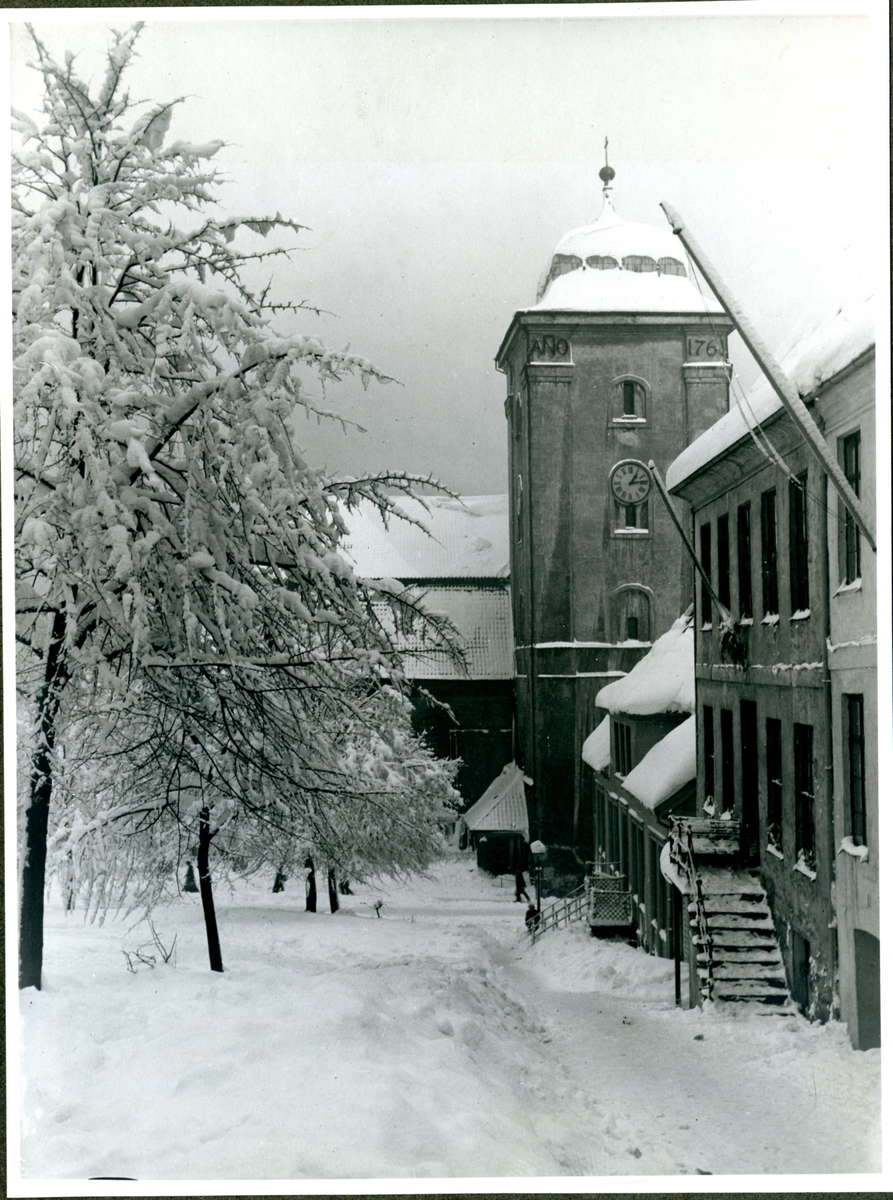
<point x="438" y="161"/>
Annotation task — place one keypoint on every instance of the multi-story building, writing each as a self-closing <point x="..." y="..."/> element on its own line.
<point x="785" y="690"/>
<point x="641" y="761"/>
<point x="621" y="360"/>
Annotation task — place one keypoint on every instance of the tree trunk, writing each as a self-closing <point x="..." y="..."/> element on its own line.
<point x="333" y="892"/>
<point x="279" y="881"/>
<point x="38" y="815"/>
<point x="204" y="883"/>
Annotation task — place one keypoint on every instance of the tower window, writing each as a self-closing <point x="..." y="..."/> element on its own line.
<point x="630" y="402"/>
<point x="631" y="518"/>
<point x="639" y="262"/>
<point x="602" y="262"/>
<point x="562" y="264"/>
<point x="671" y="266"/>
<point x="631" y="615"/>
<point x="849" y="538"/>
<point x="799" y="547"/>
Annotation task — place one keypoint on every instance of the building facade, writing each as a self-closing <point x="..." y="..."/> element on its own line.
<point x="621" y="360"/>
<point x="783" y="742"/>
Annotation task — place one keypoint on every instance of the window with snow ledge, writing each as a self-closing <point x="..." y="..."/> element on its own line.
<point x="801" y="614"/>
<point x="855" y="586"/>
<point x="630" y="401"/>
<point x="848" y="846"/>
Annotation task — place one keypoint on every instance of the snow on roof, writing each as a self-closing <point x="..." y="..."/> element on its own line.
<point x="587" y="287"/>
<point x="667" y="766"/>
<point x="466" y="538"/>
<point x="597" y="747"/>
<point x="662" y="681"/>
<point x="502" y="806"/>
<point x="809" y="358"/>
<point x="483" y="618"/>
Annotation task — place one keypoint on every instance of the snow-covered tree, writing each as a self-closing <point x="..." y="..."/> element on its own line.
<point x="182" y="604"/>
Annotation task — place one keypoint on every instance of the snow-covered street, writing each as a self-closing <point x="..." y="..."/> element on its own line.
<point x="432" y="1042"/>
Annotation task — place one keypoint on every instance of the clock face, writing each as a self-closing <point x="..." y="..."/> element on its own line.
<point x="630" y="482"/>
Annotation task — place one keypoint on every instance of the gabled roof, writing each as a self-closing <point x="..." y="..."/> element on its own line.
<point x="813" y="357"/>
<point x="597" y="747"/>
<point x="467" y="538"/>
<point x="483" y="619"/>
<point x="662" y="681"/>
<point x="668" y="766"/>
<point x="502" y="805"/>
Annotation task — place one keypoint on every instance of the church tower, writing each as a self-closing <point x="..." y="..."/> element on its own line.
<point x="621" y="360"/>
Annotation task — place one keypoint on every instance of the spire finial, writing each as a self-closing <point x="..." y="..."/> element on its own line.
<point x="606" y="174"/>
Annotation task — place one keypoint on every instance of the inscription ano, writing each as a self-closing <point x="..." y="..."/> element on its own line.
<point x="548" y="348"/>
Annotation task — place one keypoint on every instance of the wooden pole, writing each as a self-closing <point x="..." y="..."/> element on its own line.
<point x="781" y="385"/>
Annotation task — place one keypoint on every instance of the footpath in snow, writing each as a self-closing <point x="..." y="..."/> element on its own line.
<point x="429" y="1042"/>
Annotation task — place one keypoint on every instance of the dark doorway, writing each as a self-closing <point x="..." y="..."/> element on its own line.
<point x="800" y="972"/>
<point x="868" y="990"/>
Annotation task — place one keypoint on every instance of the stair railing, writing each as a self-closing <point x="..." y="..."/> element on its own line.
<point x="705" y="937"/>
<point x="560" y="912"/>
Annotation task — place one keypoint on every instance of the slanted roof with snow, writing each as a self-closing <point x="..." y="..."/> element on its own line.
<point x="662" y="681"/>
<point x="615" y="265"/>
<point x="483" y="619"/>
<point x="668" y="766"/>
<point x="465" y="539"/>
<point x="502" y="806"/>
<point x="597" y="747"/>
<point x="814" y="357"/>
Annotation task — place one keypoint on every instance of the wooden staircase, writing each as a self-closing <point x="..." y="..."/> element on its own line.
<point x="738" y="958"/>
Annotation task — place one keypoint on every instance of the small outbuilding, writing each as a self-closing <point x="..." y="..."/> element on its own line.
<point x="497" y="825"/>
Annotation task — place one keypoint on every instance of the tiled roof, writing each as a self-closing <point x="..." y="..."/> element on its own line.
<point x="483" y="618"/>
<point x="466" y="539"/>
<point x="502" y="805"/>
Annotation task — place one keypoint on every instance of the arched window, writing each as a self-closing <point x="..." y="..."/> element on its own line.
<point x="639" y="262"/>
<point x="671" y="266"/>
<point x="562" y="263"/>
<point x="602" y="262"/>
<point x="631" y="613"/>
<point x="519" y="525"/>
<point x="630" y="402"/>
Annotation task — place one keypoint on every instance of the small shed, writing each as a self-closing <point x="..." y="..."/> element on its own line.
<point x="497" y="824"/>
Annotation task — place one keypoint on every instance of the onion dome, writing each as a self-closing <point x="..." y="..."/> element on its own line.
<point x="621" y="266"/>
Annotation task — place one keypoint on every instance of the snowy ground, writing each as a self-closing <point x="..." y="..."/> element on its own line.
<point x="432" y="1042"/>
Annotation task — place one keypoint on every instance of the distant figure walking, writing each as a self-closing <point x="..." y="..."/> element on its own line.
<point x="310" y="885"/>
<point x="531" y="920"/>
<point x="520" y="887"/>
